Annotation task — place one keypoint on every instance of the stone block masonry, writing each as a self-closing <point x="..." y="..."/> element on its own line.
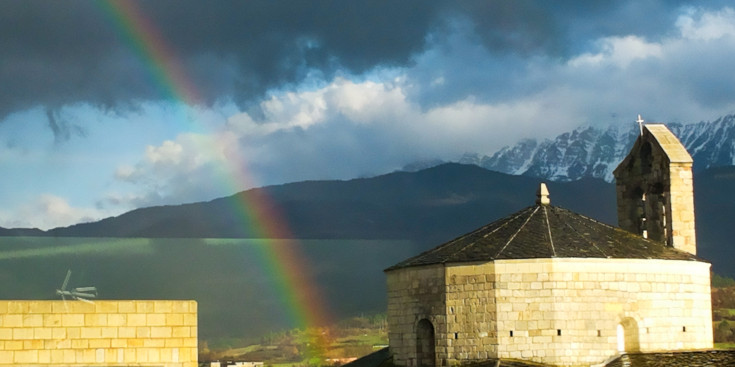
<point x="562" y="311"/>
<point x="103" y="333"/>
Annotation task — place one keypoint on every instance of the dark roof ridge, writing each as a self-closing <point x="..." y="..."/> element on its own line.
<point x="505" y="221"/>
<point x="548" y="227"/>
<point x="524" y="235"/>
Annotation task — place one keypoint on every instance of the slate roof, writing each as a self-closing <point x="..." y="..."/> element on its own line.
<point x="382" y="358"/>
<point x="710" y="358"/>
<point x="545" y="231"/>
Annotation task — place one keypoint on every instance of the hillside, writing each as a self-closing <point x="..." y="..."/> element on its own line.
<point x="435" y="203"/>
<point x="427" y="207"/>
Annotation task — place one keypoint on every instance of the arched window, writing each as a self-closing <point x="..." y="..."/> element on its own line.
<point x="425" y="344"/>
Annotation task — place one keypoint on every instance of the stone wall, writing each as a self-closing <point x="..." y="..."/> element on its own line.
<point x="471" y="312"/>
<point x="568" y="311"/>
<point x="565" y="311"/>
<point x="415" y="294"/>
<point x="105" y="333"/>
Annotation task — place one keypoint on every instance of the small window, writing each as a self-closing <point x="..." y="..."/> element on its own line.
<point x="684" y="329"/>
<point x="511" y="333"/>
<point x="599" y="332"/>
<point x="558" y="332"/>
<point x="456" y="335"/>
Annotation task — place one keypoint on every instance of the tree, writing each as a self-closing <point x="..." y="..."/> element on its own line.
<point x="723" y="332"/>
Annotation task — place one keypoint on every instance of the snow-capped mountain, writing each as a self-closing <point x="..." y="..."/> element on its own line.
<point x="595" y="152"/>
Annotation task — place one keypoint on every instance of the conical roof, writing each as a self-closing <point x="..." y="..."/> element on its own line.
<point x="545" y="231"/>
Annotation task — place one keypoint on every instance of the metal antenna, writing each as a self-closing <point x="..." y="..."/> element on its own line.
<point x="80" y="294"/>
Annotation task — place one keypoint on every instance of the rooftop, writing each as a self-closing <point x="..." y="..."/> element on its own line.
<point x="704" y="358"/>
<point x="667" y="359"/>
<point x="545" y="231"/>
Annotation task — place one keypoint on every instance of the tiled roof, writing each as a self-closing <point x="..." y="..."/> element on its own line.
<point x="545" y="231"/>
<point x="382" y="358"/>
<point x="707" y="358"/>
<point x="688" y="359"/>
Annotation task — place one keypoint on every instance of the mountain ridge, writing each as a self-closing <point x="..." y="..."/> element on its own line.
<point x="590" y="151"/>
<point x="426" y="207"/>
<point x="337" y="209"/>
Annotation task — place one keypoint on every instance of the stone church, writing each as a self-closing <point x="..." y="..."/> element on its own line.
<point x="550" y="286"/>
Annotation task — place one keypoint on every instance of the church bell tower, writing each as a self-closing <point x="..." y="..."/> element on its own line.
<point x="655" y="191"/>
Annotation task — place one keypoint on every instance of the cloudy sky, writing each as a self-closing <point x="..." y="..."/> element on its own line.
<point x="110" y="106"/>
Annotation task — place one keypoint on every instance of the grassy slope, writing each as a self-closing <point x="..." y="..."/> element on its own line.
<point x="235" y="282"/>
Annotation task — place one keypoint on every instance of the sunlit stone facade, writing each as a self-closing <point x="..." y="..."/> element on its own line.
<point x="106" y="333"/>
<point x="551" y="286"/>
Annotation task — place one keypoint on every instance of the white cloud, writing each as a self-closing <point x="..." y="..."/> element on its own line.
<point x="168" y="153"/>
<point x="343" y="130"/>
<point x="49" y="211"/>
<point x="190" y="168"/>
<point x="707" y="26"/>
<point x="618" y="51"/>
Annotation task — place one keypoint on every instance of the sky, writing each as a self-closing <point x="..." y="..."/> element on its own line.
<point x="108" y="106"/>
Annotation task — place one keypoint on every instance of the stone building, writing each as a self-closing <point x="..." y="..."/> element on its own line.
<point x="106" y="333"/>
<point x="551" y="286"/>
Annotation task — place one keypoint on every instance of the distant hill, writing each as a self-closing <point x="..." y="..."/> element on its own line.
<point x="434" y="203"/>
<point x="21" y="232"/>
<point x="427" y="207"/>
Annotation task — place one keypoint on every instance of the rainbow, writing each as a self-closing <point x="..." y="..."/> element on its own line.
<point x="281" y="257"/>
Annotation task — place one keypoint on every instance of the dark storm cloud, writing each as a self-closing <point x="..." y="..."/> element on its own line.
<point x="62" y="129"/>
<point x="59" y="53"/>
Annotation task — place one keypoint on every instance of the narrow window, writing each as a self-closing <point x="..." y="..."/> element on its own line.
<point x="599" y="332"/>
<point x="511" y="333"/>
<point x="456" y="335"/>
<point x="644" y="224"/>
<point x="684" y="329"/>
<point x="558" y="332"/>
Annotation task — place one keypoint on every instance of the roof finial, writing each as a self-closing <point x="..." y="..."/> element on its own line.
<point x="640" y="123"/>
<point x="542" y="195"/>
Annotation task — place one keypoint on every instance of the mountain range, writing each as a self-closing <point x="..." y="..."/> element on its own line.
<point x="436" y="203"/>
<point x="426" y="207"/>
<point x="595" y="152"/>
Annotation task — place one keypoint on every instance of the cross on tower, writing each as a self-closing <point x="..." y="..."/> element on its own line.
<point x="640" y="123"/>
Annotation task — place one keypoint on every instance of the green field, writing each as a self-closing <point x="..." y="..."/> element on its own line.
<point x="236" y="282"/>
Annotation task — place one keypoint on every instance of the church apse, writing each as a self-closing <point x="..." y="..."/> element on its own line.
<point x="655" y="191"/>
